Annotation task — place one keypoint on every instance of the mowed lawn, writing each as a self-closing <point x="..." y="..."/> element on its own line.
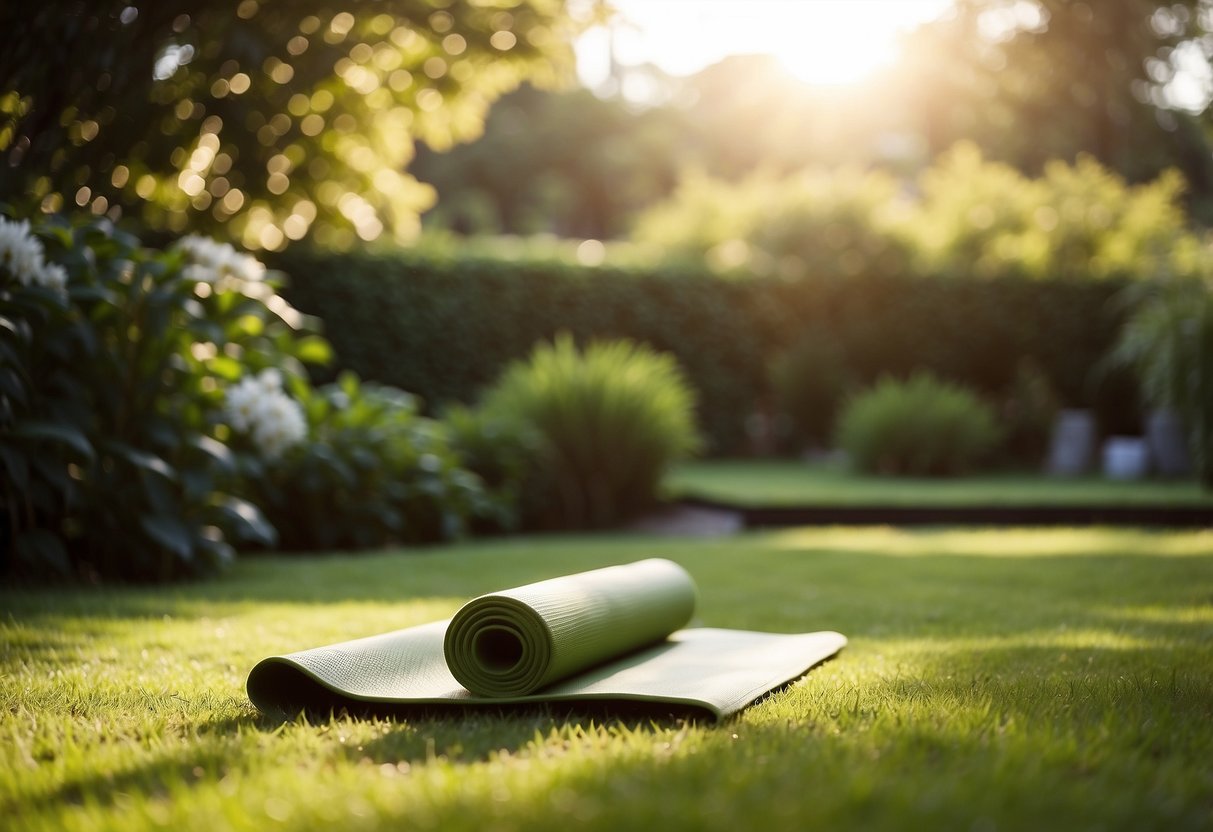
<point x="995" y="679"/>
<point x="783" y="482"/>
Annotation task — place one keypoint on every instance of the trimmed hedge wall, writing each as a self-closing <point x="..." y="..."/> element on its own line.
<point x="444" y="328"/>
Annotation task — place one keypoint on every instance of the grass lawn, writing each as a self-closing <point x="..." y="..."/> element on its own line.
<point x="996" y="679"/>
<point x="794" y="483"/>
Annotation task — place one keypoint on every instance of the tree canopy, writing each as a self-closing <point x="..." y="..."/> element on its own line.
<point x="279" y="120"/>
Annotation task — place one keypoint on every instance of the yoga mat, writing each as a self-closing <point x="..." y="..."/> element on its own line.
<point x="610" y="636"/>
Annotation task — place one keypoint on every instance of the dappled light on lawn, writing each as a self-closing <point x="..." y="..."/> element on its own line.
<point x="1075" y="658"/>
<point x="1025" y="543"/>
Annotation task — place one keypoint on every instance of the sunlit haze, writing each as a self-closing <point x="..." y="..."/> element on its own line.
<point x="825" y="42"/>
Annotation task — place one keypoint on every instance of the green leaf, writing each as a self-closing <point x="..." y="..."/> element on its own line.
<point x="43" y="548"/>
<point x="160" y="496"/>
<point x="314" y="350"/>
<point x="215" y="449"/>
<point x="170" y="532"/>
<point x="17" y="466"/>
<point x="250" y="522"/>
<point x="141" y="459"/>
<point x="11" y="386"/>
<point x="55" y="432"/>
<point x="225" y="367"/>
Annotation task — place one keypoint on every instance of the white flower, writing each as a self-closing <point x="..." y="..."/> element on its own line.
<point x="270" y="379"/>
<point x="210" y="261"/>
<point x="199" y="274"/>
<point x="259" y="407"/>
<point x="54" y="276"/>
<point x="21" y="253"/>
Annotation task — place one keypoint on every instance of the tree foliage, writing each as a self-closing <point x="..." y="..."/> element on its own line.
<point x="282" y="120"/>
<point x="963" y="216"/>
<point x="1027" y="82"/>
<point x="1046" y="79"/>
<point x="564" y="162"/>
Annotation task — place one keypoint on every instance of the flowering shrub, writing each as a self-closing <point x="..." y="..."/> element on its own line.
<point x="114" y="361"/>
<point x="258" y="407"/>
<point x="371" y="471"/>
<point x="22" y="258"/>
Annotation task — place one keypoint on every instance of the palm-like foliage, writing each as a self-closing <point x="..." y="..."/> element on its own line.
<point x="1168" y="339"/>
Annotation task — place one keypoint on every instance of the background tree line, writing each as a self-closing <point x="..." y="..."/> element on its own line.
<point x="1028" y="82"/>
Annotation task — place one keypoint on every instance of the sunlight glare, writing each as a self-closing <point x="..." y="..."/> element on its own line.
<point x="822" y="42"/>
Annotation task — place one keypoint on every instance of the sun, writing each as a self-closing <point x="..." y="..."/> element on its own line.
<point x="831" y="44"/>
<point x="821" y="42"/>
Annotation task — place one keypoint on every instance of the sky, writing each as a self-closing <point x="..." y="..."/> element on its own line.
<point x="827" y="42"/>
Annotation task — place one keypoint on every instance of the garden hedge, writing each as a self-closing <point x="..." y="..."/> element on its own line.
<point x="444" y="327"/>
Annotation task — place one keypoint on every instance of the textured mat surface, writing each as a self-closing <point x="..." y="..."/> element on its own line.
<point x="607" y="636"/>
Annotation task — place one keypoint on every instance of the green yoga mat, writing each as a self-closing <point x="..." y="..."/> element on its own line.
<point x="608" y="637"/>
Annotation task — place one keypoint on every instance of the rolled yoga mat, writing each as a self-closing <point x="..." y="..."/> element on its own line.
<point x="610" y="636"/>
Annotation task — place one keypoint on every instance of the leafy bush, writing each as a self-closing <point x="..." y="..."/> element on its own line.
<point x="612" y="417"/>
<point x="511" y="459"/>
<point x="822" y="223"/>
<point x="370" y="472"/>
<point x="970" y="217"/>
<point x="115" y="361"/>
<point x="1168" y="339"/>
<point x="921" y="426"/>
<point x="982" y="218"/>
<point x="809" y="381"/>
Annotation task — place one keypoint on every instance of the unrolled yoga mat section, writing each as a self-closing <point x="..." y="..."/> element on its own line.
<point x="606" y="636"/>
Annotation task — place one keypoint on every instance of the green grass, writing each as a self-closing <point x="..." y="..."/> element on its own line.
<point x="1009" y="679"/>
<point x="794" y="483"/>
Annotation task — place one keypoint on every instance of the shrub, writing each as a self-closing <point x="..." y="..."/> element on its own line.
<point x="816" y="222"/>
<point x="922" y="426"/>
<point x="982" y="218"/>
<point x="809" y="381"/>
<point x="510" y="457"/>
<point x="1029" y="407"/>
<point x="370" y="472"/>
<point x="115" y="361"/>
<point x="612" y="417"/>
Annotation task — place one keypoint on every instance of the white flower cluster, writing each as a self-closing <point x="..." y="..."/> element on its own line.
<point x="260" y="407"/>
<point x="21" y="254"/>
<point x="211" y="261"/>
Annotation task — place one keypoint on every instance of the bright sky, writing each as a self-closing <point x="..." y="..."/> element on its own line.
<point x="832" y="42"/>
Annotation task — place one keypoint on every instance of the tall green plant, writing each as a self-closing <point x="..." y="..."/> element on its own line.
<point x="613" y="416"/>
<point x="1168" y="339"/>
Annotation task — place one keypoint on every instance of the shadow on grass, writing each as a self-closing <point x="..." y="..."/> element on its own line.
<point x="747" y="585"/>
<point x="945" y="743"/>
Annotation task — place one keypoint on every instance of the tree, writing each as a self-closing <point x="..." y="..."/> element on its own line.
<point x="1034" y="80"/>
<point x="563" y="162"/>
<point x="278" y="120"/>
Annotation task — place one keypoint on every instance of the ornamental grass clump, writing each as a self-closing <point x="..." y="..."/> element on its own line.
<point x="1168" y="340"/>
<point x="612" y="417"/>
<point x="921" y="426"/>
